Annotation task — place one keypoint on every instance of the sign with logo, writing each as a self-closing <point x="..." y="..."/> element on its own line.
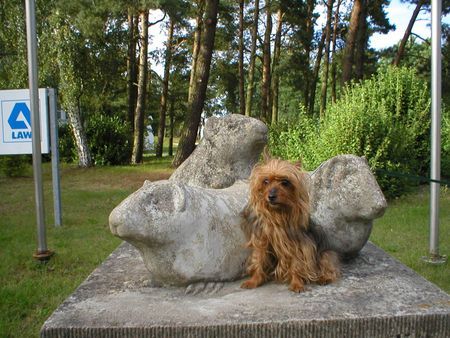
<point x="15" y="122"/>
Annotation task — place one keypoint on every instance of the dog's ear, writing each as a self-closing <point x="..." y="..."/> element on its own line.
<point x="298" y="164"/>
<point x="266" y="154"/>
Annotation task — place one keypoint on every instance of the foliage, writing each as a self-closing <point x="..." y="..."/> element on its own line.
<point x="14" y="165"/>
<point x="385" y="119"/>
<point x="445" y="153"/>
<point x="109" y="139"/>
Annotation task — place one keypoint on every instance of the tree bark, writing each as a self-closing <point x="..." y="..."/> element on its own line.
<point x="196" y="45"/>
<point x="165" y="90"/>
<point x="275" y="65"/>
<point x="333" y="52"/>
<point x="131" y="66"/>
<point x="349" y="52"/>
<point x="251" y="66"/>
<point x="138" y="136"/>
<point x="361" y="42"/>
<point x="265" y="85"/>
<point x="323" y="95"/>
<point x="195" y="106"/>
<point x="171" y="124"/>
<point x="312" y="95"/>
<point x="309" y="27"/>
<point x="401" y="48"/>
<point x="241" y="59"/>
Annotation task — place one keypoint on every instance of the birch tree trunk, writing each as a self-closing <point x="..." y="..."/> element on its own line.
<point x="138" y="136"/>
<point x="251" y="66"/>
<point x="165" y="90"/>
<point x="71" y="86"/>
<point x="195" y="107"/>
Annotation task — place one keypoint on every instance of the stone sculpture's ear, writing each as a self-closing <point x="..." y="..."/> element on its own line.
<point x="266" y="154"/>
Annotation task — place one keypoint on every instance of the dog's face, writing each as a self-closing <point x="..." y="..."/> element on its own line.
<point x="277" y="185"/>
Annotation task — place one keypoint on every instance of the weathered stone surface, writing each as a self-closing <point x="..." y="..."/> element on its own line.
<point x="345" y="199"/>
<point x="185" y="234"/>
<point x="228" y="151"/>
<point x="188" y="234"/>
<point x="376" y="297"/>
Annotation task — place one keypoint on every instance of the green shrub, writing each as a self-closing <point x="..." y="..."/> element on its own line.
<point x="385" y="118"/>
<point x="15" y="165"/>
<point x="445" y="153"/>
<point x="109" y="139"/>
<point x="67" y="150"/>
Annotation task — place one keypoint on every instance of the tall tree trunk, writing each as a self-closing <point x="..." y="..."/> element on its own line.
<point x="138" y="136"/>
<point x="323" y="95"/>
<point x="241" y="59"/>
<point x="171" y="124"/>
<point x="195" y="107"/>
<point x="312" y="90"/>
<point x="333" y="52"/>
<point x="251" y="66"/>
<point x="265" y="85"/>
<point x="401" y="48"/>
<point x="70" y="86"/>
<point x="196" y="45"/>
<point x="131" y="66"/>
<point x="275" y="65"/>
<point x="361" y="42"/>
<point x="309" y="29"/>
<point x="165" y="90"/>
<point x="349" y="52"/>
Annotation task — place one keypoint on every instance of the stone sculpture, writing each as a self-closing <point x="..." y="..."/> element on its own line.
<point x="229" y="149"/>
<point x="188" y="232"/>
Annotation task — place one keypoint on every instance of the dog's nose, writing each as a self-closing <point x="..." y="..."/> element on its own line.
<point x="272" y="195"/>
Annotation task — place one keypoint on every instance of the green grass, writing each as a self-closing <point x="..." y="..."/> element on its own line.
<point x="30" y="291"/>
<point x="403" y="232"/>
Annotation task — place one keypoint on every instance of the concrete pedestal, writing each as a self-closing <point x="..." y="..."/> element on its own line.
<point x="376" y="297"/>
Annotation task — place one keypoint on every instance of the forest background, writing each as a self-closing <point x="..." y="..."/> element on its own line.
<point x="317" y="81"/>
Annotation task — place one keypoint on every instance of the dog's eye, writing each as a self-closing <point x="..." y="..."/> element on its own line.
<point x="285" y="183"/>
<point x="266" y="181"/>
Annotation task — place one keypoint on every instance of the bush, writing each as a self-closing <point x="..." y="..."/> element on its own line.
<point x="15" y="165"/>
<point x="67" y="150"/>
<point x="445" y="153"/>
<point x="109" y="139"/>
<point x="385" y="118"/>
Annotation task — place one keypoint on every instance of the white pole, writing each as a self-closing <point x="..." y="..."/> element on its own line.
<point x="42" y="252"/>
<point x="55" y="157"/>
<point x="435" y="130"/>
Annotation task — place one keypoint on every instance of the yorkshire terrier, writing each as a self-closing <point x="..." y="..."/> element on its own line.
<point x="276" y="223"/>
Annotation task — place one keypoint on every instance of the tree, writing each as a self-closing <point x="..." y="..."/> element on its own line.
<point x="138" y="135"/>
<point x="333" y="52"/>
<point x="165" y="89"/>
<point x="251" y="66"/>
<point x="275" y="66"/>
<point x="197" y="99"/>
<point x="241" y="59"/>
<point x="349" y="53"/>
<point x="323" y="96"/>
<point x="133" y="21"/>
<point x="67" y="44"/>
<point x="265" y="84"/>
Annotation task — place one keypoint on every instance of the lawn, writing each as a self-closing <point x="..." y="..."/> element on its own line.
<point x="31" y="291"/>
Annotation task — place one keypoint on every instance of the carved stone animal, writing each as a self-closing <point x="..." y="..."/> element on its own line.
<point x="228" y="151"/>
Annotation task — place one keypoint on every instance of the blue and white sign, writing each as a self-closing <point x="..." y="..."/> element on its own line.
<point x="15" y="122"/>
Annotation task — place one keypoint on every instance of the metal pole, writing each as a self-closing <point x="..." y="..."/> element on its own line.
<point x="55" y="157"/>
<point x="435" y="131"/>
<point x="42" y="252"/>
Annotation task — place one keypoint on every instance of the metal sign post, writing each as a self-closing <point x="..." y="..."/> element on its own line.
<point x="434" y="256"/>
<point x="42" y="252"/>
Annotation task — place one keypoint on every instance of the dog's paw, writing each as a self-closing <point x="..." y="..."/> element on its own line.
<point x="297" y="287"/>
<point x="249" y="284"/>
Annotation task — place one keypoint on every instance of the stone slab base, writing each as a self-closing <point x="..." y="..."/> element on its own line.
<point x="376" y="297"/>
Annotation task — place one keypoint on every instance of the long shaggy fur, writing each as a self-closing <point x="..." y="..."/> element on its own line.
<point x="276" y="225"/>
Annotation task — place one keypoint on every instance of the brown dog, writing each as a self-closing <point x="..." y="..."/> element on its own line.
<point x="276" y="224"/>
